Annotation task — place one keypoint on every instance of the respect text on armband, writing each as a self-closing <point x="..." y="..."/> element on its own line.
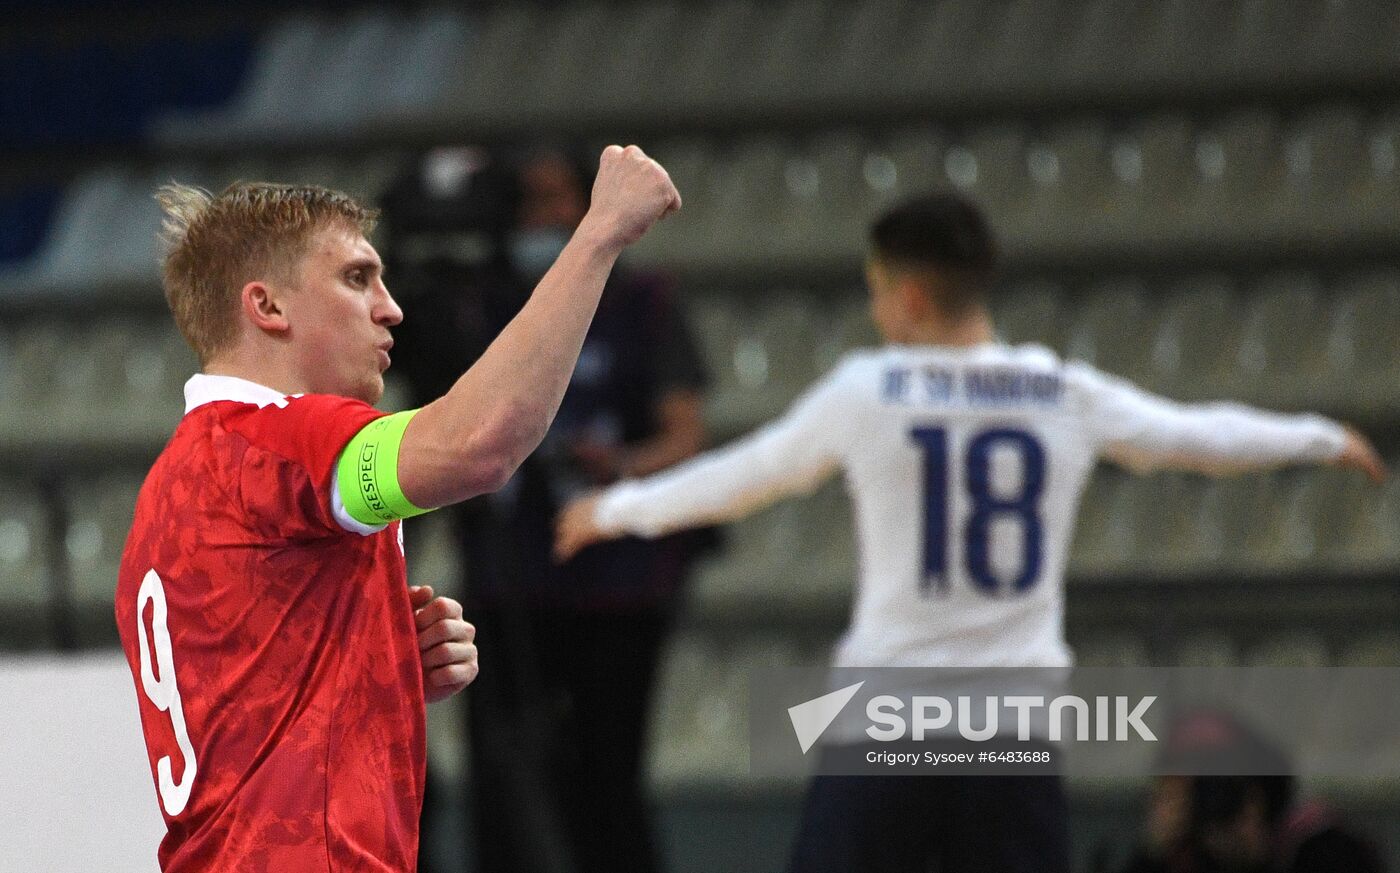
<point x="368" y="489"/>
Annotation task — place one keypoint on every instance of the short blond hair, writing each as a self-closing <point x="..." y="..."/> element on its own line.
<point x="213" y="245"/>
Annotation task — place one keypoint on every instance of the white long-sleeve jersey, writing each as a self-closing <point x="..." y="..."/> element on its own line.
<point x="965" y="467"/>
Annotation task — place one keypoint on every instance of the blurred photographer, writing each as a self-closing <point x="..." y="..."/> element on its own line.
<point x="1238" y="824"/>
<point x="558" y="717"/>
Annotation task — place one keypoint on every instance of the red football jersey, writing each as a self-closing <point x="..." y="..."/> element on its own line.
<point x="274" y="651"/>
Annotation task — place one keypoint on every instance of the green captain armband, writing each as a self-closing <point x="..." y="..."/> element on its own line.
<point x="368" y="472"/>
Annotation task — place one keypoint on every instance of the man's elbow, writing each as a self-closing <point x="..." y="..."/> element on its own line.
<point x="446" y="463"/>
<point x="500" y="447"/>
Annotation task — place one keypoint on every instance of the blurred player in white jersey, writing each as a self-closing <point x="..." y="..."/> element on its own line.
<point x="965" y="459"/>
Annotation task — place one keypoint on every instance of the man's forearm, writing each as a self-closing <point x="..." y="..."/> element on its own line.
<point x="725" y="484"/>
<point x="470" y="440"/>
<point x="1226" y="438"/>
<point x="500" y="409"/>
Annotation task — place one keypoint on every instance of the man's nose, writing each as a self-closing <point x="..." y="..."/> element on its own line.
<point x="387" y="311"/>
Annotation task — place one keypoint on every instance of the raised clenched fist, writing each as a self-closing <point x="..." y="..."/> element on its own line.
<point x="632" y="192"/>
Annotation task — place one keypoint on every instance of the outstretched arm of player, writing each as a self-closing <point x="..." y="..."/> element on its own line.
<point x="1143" y="431"/>
<point x="471" y="440"/>
<point x="792" y="455"/>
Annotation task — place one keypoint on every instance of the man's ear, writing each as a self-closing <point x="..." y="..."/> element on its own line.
<point x="263" y="306"/>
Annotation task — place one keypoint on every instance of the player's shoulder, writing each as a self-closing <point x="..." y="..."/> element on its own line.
<point x="862" y="360"/>
<point x="864" y="365"/>
<point x="1077" y="382"/>
<point x="292" y="412"/>
<point x="856" y="368"/>
<point x="993" y="354"/>
<point x="291" y="425"/>
<point x="1085" y="378"/>
<point x="1030" y="356"/>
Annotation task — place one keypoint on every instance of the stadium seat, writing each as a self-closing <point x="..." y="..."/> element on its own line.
<point x="1294" y="649"/>
<point x="1301" y="655"/>
<point x="760" y="561"/>
<point x="1323" y="150"/>
<point x="1380" y="649"/>
<point x="855" y="34"/>
<point x="1112" y="328"/>
<point x="685" y="670"/>
<point x="369" y="67"/>
<point x="681" y="240"/>
<point x="1264" y="532"/>
<point x="10" y="378"/>
<point x="699" y="730"/>
<point x="737" y="365"/>
<point x="24" y="558"/>
<point x="35" y="378"/>
<point x="1094" y="47"/>
<point x="1324" y="506"/>
<point x="1310" y="513"/>
<point x="1364" y="359"/>
<point x="1252" y="37"/>
<point x="130" y="256"/>
<point x="90" y="210"/>
<point x="1186" y="514"/>
<point x="1376" y="186"/>
<point x="99" y="517"/>
<point x="1068" y="168"/>
<point x="564" y="49"/>
<point x="797" y="554"/>
<point x="482" y="86"/>
<point x="721" y="50"/>
<point x="1238" y="173"/>
<point x="352" y="61"/>
<point x="835" y="187"/>
<point x="1021" y="47"/>
<point x="118" y="381"/>
<point x="434" y="48"/>
<point x="447" y="744"/>
<point x="847" y="328"/>
<point x="1152" y="170"/>
<point x="1112" y="650"/>
<point x="939" y="42"/>
<point x="989" y="163"/>
<point x="1172" y="41"/>
<point x="1353" y="724"/>
<point x="103" y="373"/>
<point x="1206" y="649"/>
<point x="25" y="215"/>
<point x="742" y="203"/>
<point x="1283" y="342"/>
<point x="829" y="562"/>
<point x="1271" y="694"/>
<point x="1106" y="531"/>
<point x="1032" y="311"/>
<point x="918" y="155"/>
<point x="1196" y="338"/>
<point x="692" y="48"/>
<point x="648" y="41"/>
<point x="781" y="68"/>
<point x="279" y="70"/>
<point x="761" y="356"/>
<point x="1362" y="533"/>
<point x="787" y="326"/>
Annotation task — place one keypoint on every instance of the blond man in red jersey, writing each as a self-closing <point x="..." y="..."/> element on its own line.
<point x="280" y="658"/>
